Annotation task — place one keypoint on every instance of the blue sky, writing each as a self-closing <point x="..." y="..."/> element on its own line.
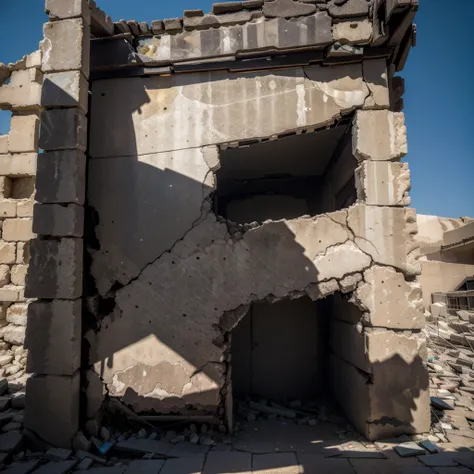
<point x="438" y="98"/>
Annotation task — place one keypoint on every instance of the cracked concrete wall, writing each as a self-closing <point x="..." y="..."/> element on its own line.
<point x="176" y="279"/>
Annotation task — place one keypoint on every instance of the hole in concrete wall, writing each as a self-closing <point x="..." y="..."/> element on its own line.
<point x="306" y="174"/>
<point x="5" y="118"/>
<point x="283" y="352"/>
<point x="23" y="188"/>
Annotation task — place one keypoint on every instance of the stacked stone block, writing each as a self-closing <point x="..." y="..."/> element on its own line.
<point x="55" y="274"/>
<point x="18" y="156"/>
<point x="382" y="354"/>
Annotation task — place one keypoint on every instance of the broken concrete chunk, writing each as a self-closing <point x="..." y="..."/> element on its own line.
<point x="440" y="404"/>
<point x="409" y="449"/>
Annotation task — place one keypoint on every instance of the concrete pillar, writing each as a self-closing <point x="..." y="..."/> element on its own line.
<point x="56" y="270"/>
<point x="379" y="359"/>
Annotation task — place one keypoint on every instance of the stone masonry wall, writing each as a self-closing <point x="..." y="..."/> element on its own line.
<point x="18" y="157"/>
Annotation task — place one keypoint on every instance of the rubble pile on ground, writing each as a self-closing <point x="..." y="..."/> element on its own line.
<point x="450" y="363"/>
<point x="310" y="413"/>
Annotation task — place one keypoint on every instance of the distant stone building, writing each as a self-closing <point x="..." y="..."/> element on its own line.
<point x="220" y="211"/>
<point x="447" y="262"/>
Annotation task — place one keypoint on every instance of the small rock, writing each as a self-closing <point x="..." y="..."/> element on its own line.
<point x="194" y="438"/>
<point x="86" y="463"/>
<point x="206" y="441"/>
<point x="5" y="359"/>
<point x="169" y="435"/>
<point x="440" y="404"/>
<point x="58" y="454"/>
<point x="81" y="443"/>
<point x="446" y="426"/>
<point x="3" y="386"/>
<point x="142" y="433"/>
<point x="409" y="449"/>
<point x="5" y="403"/>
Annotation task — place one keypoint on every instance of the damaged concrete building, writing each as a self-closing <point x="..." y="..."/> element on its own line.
<point x="221" y="211"/>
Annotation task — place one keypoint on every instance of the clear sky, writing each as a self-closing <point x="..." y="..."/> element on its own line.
<point x="438" y="98"/>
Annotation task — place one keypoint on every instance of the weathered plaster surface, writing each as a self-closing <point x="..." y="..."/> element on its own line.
<point x="163" y="113"/>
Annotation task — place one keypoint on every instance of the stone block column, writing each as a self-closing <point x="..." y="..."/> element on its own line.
<point x="56" y="270"/>
<point x="380" y="358"/>
<point x="18" y="156"/>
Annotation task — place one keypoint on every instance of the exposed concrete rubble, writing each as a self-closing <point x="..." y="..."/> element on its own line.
<point x="450" y="363"/>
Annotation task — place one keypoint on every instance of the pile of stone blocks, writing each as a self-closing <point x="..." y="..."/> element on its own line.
<point x="18" y="157"/>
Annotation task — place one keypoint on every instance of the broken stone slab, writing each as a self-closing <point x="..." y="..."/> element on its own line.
<point x="409" y="449"/>
<point x="58" y="454"/>
<point x="86" y="455"/>
<point x="61" y="467"/>
<point x="145" y="466"/>
<point x="22" y="467"/>
<point x="284" y="412"/>
<point x="439" y="460"/>
<point x="429" y="446"/>
<point x="143" y="446"/>
<point x="10" y="441"/>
